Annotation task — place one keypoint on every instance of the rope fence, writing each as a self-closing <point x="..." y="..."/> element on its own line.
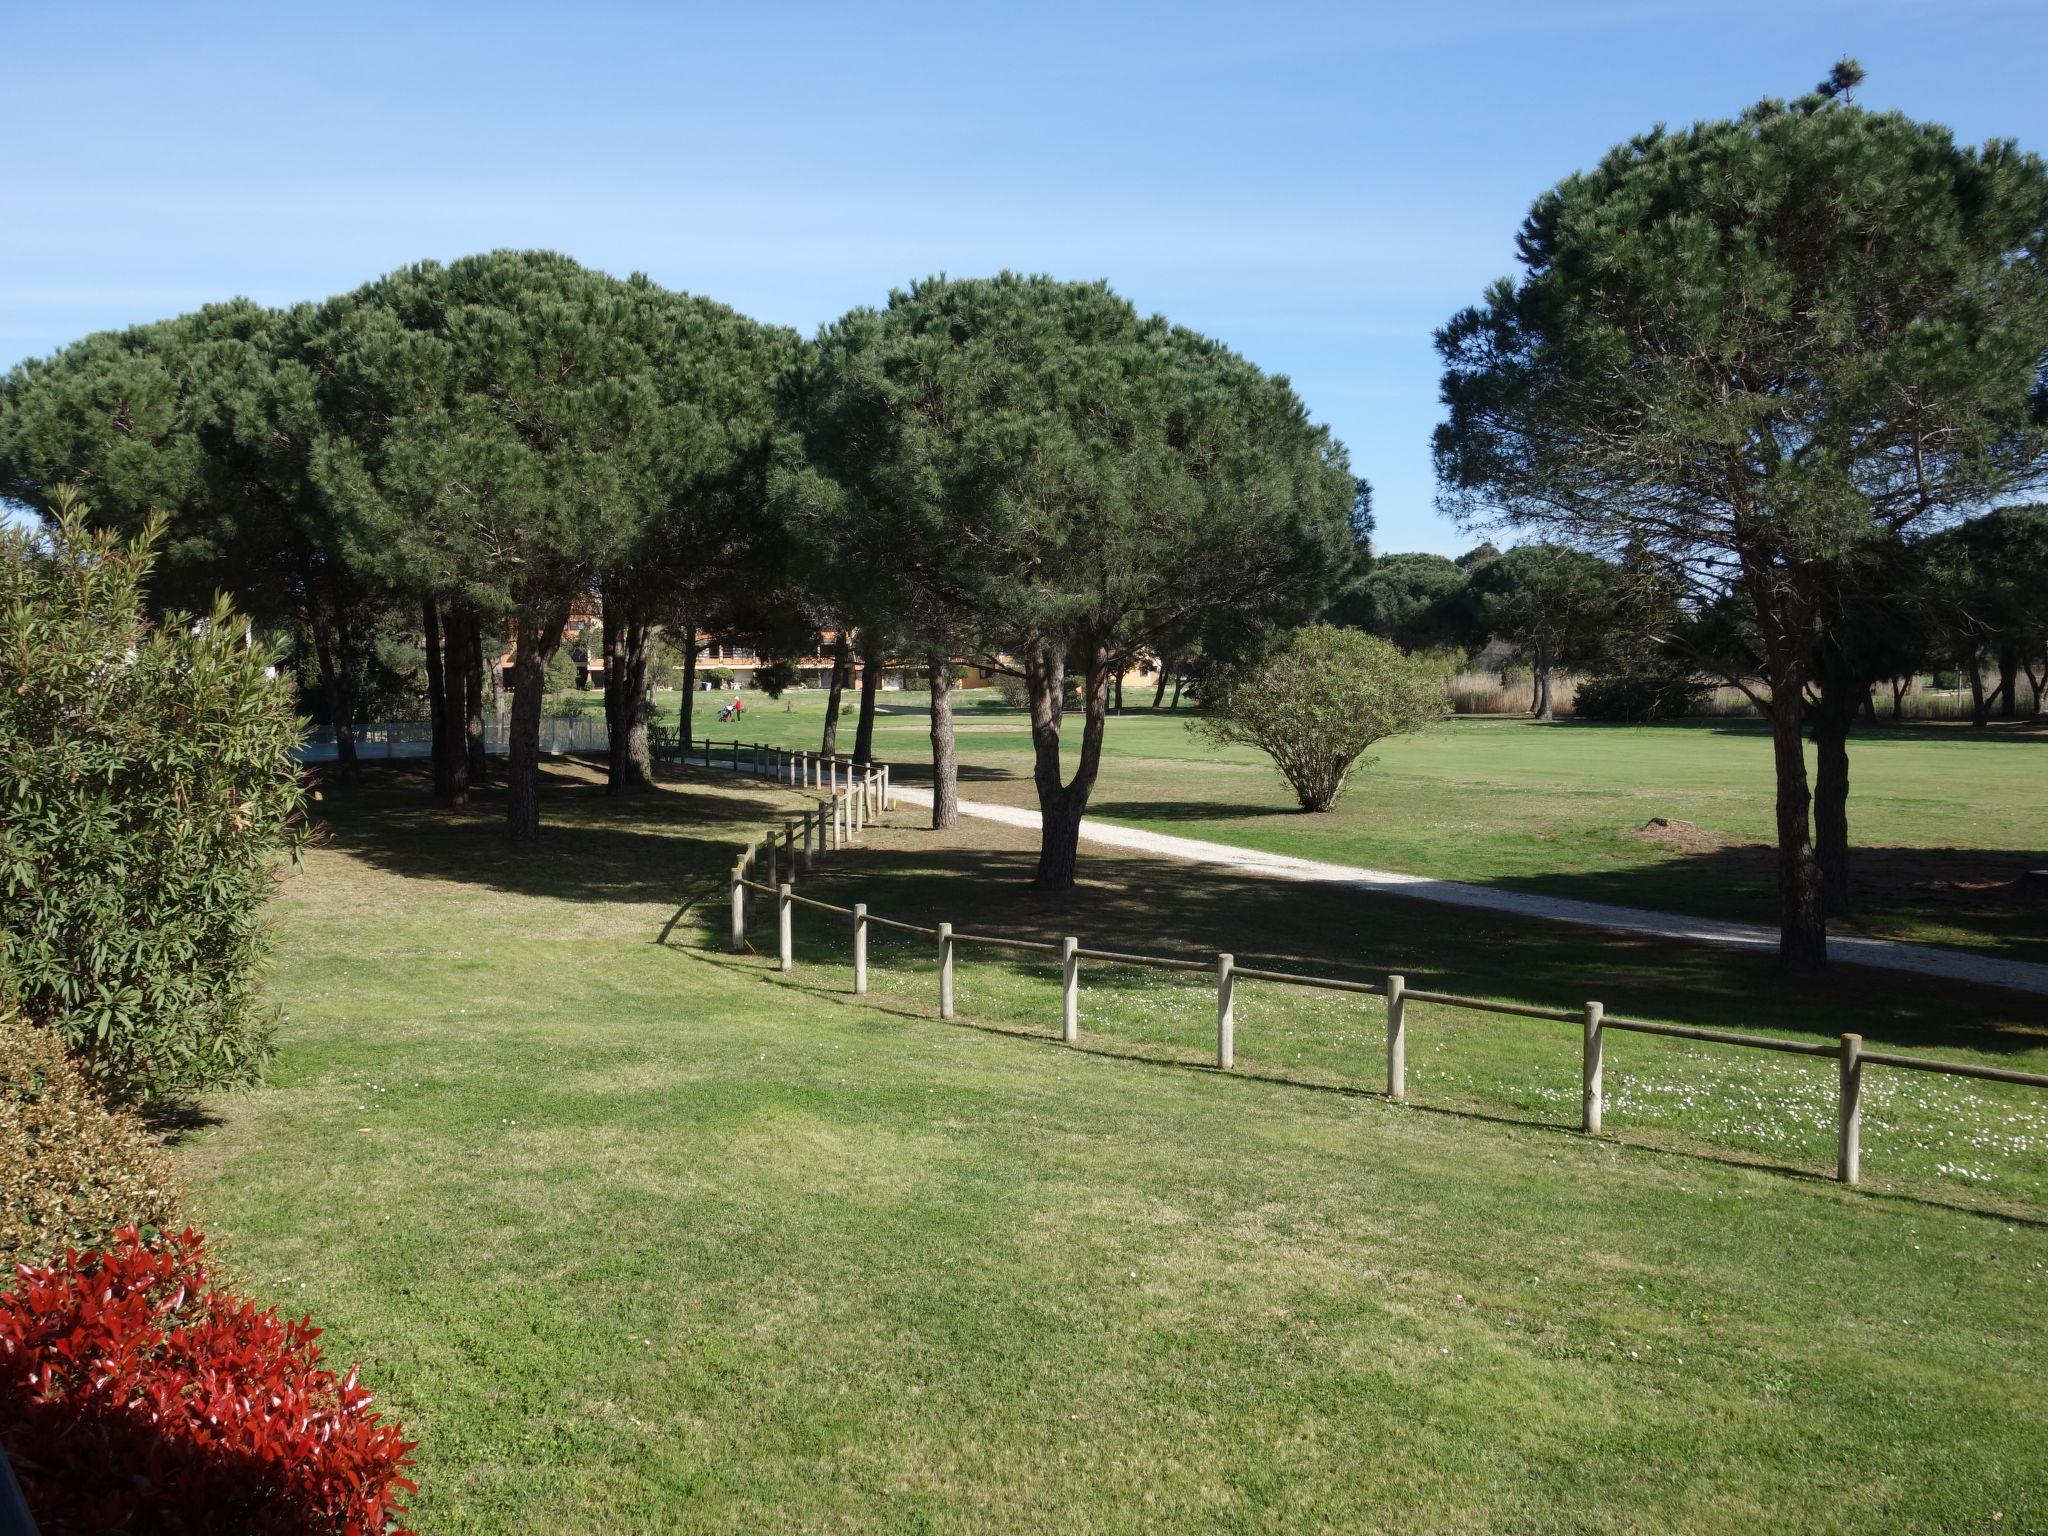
<point x="859" y="792"/>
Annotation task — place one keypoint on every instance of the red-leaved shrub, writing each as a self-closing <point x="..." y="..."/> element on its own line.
<point x="135" y="1397"/>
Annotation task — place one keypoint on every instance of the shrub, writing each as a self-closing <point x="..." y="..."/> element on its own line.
<point x="1649" y="688"/>
<point x="136" y="1397"/>
<point x="776" y="677"/>
<point x="1318" y="701"/>
<point x="150" y="793"/>
<point x="76" y="1169"/>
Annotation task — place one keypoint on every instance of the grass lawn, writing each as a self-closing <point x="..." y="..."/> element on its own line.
<point x="638" y="1236"/>
<point x="1946" y="820"/>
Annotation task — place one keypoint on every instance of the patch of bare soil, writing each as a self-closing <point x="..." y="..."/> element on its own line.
<point x="1683" y="836"/>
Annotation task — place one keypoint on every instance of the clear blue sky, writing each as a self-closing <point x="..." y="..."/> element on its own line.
<point x="1320" y="186"/>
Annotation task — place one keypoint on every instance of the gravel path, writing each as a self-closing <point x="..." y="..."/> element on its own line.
<point x="1878" y="954"/>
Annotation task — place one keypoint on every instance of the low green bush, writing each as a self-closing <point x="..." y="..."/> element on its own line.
<point x="75" y="1167"/>
<point x="1648" y="688"/>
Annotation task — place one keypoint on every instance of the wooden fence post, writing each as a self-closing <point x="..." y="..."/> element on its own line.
<point x="784" y="947"/>
<point x="810" y="854"/>
<point x="1849" y="1144"/>
<point x="1226" y="1012"/>
<point x="888" y="790"/>
<point x="1397" y="1037"/>
<point x="789" y="849"/>
<point x="1591" y="1092"/>
<point x="1070" y="991"/>
<point x="860" y="947"/>
<point x="945" y="970"/>
<point x="739" y="907"/>
<point x="735" y="754"/>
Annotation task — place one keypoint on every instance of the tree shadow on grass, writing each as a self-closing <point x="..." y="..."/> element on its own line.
<point x="1990" y="894"/>
<point x="1142" y="811"/>
<point x="920" y="773"/>
<point x="673" y="846"/>
<point x="1139" y="904"/>
<point x="650" y="846"/>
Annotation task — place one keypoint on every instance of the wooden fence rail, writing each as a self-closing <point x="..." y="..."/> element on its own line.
<point x="859" y="792"/>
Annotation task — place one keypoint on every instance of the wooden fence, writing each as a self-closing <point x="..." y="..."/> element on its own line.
<point x="857" y="792"/>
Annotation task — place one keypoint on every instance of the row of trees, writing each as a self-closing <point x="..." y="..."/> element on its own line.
<point x="469" y="446"/>
<point x="1020" y="472"/>
<point x="1971" y="599"/>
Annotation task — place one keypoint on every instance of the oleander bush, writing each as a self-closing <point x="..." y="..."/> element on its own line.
<point x="75" y="1168"/>
<point x="137" y="1396"/>
<point x="1316" y="701"/>
<point x="148" y="796"/>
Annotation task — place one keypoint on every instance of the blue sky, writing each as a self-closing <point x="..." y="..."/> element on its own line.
<point x="1318" y="185"/>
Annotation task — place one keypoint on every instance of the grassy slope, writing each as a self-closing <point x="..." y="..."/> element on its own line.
<point x="638" y="1237"/>
<point x="1947" y="820"/>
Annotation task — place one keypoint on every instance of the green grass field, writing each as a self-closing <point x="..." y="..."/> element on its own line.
<point x="639" y="1236"/>
<point x="1946" y="820"/>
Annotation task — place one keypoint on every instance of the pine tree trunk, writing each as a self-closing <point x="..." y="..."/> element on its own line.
<point x="686" y="715"/>
<point x="442" y="749"/>
<point x="1540" y="669"/>
<point x="2034" y="680"/>
<point x="628" y="642"/>
<point x="1159" y="693"/>
<point x="1179" y="677"/>
<point x="1980" y="707"/>
<point x="616" y="772"/>
<point x="1802" y="928"/>
<point x="534" y="643"/>
<point x="335" y="692"/>
<point x="1833" y="717"/>
<point x="1899" y="697"/>
<point x="2008" y="682"/>
<point x="473" y="708"/>
<point x="945" y="759"/>
<point x="842" y="669"/>
<point x="870" y="686"/>
<point x="457" y="625"/>
<point x="1062" y="805"/>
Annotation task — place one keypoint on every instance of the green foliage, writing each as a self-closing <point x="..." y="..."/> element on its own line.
<point x="560" y="671"/>
<point x="1317" y="701"/>
<point x="149" y="794"/>
<point x="1144" y="476"/>
<point x="1639" y="689"/>
<point x="1991" y="581"/>
<point x="775" y="677"/>
<point x="1545" y="599"/>
<point x="77" y="1167"/>
<point x="1416" y="601"/>
<point x="1770" y="336"/>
